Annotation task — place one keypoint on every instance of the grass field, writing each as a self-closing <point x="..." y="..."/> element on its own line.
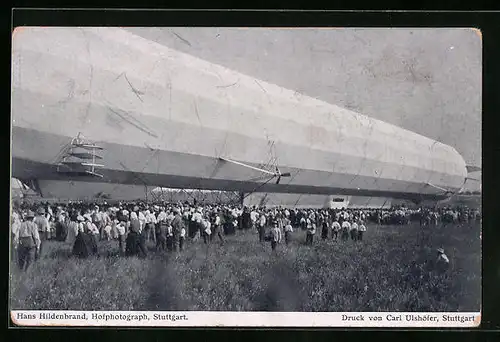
<point x="389" y="271"/>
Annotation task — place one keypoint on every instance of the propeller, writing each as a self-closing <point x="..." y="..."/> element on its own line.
<point x="279" y="175"/>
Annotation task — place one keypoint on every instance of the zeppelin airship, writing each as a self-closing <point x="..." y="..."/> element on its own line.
<point x="102" y="107"/>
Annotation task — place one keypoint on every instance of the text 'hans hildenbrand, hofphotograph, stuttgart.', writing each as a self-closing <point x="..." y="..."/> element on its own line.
<point x="182" y="176"/>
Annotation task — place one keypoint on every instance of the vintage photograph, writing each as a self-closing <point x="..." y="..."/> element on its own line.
<point x="246" y="169"/>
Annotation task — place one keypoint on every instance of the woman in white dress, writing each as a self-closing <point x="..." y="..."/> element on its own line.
<point x="73" y="229"/>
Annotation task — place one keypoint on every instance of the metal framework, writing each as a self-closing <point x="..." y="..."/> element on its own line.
<point x="79" y="158"/>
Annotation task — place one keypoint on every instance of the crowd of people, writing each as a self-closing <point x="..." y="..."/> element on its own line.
<point x="168" y="225"/>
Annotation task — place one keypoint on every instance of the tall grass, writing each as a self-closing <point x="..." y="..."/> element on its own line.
<point x="390" y="270"/>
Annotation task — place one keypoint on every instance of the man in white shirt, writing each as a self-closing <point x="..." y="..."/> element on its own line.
<point x="303" y="223"/>
<point x="335" y="229"/>
<point x="347" y="215"/>
<point x="28" y="243"/>
<point x="182" y="238"/>
<point x="142" y="219"/>
<point x="262" y="227"/>
<point x="162" y="216"/>
<point x="311" y="230"/>
<point x="197" y="224"/>
<point x="275" y="235"/>
<point x="216" y="227"/>
<point x="253" y="218"/>
<point x="235" y="215"/>
<point x="43" y="230"/>
<point x="288" y="230"/>
<point x="346" y="227"/>
<point x="150" y="226"/>
<point x="107" y="232"/>
<point x="206" y="230"/>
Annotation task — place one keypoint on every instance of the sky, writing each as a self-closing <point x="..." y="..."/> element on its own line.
<point x="425" y="80"/>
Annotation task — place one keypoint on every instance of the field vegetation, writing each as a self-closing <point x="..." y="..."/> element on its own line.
<point x="390" y="270"/>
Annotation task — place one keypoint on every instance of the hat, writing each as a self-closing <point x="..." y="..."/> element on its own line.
<point x="80" y="218"/>
<point x="29" y="213"/>
<point x="440" y="251"/>
<point x="41" y="210"/>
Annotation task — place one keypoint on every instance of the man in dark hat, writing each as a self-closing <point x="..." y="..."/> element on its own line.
<point x="28" y="242"/>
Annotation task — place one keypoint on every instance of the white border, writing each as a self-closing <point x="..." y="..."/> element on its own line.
<point x="246" y="319"/>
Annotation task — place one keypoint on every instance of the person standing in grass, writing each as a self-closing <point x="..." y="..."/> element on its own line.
<point x="85" y="243"/>
<point x="335" y="229"/>
<point x="361" y="230"/>
<point x="288" y="231"/>
<point x="311" y="230"/>
<point x="28" y="242"/>
<point x="73" y="230"/>
<point x="207" y="232"/>
<point x="216" y="225"/>
<point x="197" y="224"/>
<point x="134" y="244"/>
<point x="323" y="221"/>
<point x="303" y="223"/>
<point x="253" y="218"/>
<point x="161" y="233"/>
<point x="97" y="219"/>
<point x="61" y="224"/>
<point x="92" y="228"/>
<point x="43" y="229"/>
<point x="275" y="235"/>
<point x="346" y="227"/>
<point x="137" y="233"/>
<point x="262" y="227"/>
<point x="246" y="219"/>
<point x="182" y="238"/>
<point x="121" y="230"/>
<point x="354" y="230"/>
<point x="176" y="227"/>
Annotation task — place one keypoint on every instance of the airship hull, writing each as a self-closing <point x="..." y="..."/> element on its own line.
<point x="164" y="118"/>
